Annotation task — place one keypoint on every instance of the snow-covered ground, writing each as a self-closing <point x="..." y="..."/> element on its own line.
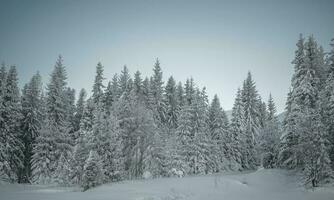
<point x="262" y="184"/>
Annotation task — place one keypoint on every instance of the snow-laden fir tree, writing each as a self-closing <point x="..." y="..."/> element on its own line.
<point x="115" y="87"/>
<point x="55" y="138"/>
<point x="289" y="155"/>
<point x="137" y="129"/>
<point x="98" y="84"/>
<point x="138" y="84"/>
<point x="251" y="105"/>
<point x="317" y="164"/>
<point x="108" y="98"/>
<point x="93" y="174"/>
<point x="327" y="103"/>
<point x="304" y="143"/>
<point x="124" y="81"/>
<point x="31" y="102"/>
<point x="11" y="154"/>
<point x="70" y="111"/>
<point x="269" y="140"/>
<point x="195" y="148"/>
<point x="237" y="128"/>
<point x="180" y="95"/>
<point x="79" y="109"/>
<point x="219" y="133"/>
<point x="189" y="91"/>
<point x="171" y="102"/>
<point x="156" y="95"/>
<point x="79" y="156"/>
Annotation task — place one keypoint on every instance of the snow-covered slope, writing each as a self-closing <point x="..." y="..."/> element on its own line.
<point x="259" y="185"/>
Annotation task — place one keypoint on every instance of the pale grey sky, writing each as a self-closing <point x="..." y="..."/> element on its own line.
<point x="215" y="42"/>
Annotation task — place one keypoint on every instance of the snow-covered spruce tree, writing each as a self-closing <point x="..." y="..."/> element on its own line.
<point x="194" y="143"/>
<point x="180" y="95"/>
<point x="79" y="110"/>
<point x="98" y="84"/>
<point x="189" y="90"/>
<point x="304" y="115"/>
<point x="13" y="117"/>
<point x="270" y="137"/>
<point x="206" y="159"/>
<point x="156" y="95"/>
<point x="183" y="157"/>
<point x="219" y="128"/>
<point x="289" y="155"/>
<point x="56" y="128"/>
<point x="70" y="112"/>
<point x="4" y="156"/>
<point x="171" y="102"/>
<point x="115" y="87"/>
<point x="124" y="81"/>
<point x="108" y="98"/>
<point x="31" y="102"/>
<point x="44" y="155"/>
<point x="11" y="154"/>
<point x="146" y="92"/>
<point x="327" y="103"/>
<point x="317" y="164"/>
<point x="103" y="139"/>
<point x="138" y="85"/>
<point x="93" y="174"/>
<point x="262" y="114"/>
<point x="137" y="129"/>
<point x="236" y="133"/>
<point x="251" y="104"/>
<point x="79" y="156"/>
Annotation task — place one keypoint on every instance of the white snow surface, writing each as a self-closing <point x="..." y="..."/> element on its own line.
<point x="260" y="185"/>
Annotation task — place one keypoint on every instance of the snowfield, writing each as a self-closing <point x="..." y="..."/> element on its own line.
<point x="263" y="184"/>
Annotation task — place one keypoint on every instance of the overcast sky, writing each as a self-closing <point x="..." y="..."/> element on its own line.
<point x="215" y="42"/>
